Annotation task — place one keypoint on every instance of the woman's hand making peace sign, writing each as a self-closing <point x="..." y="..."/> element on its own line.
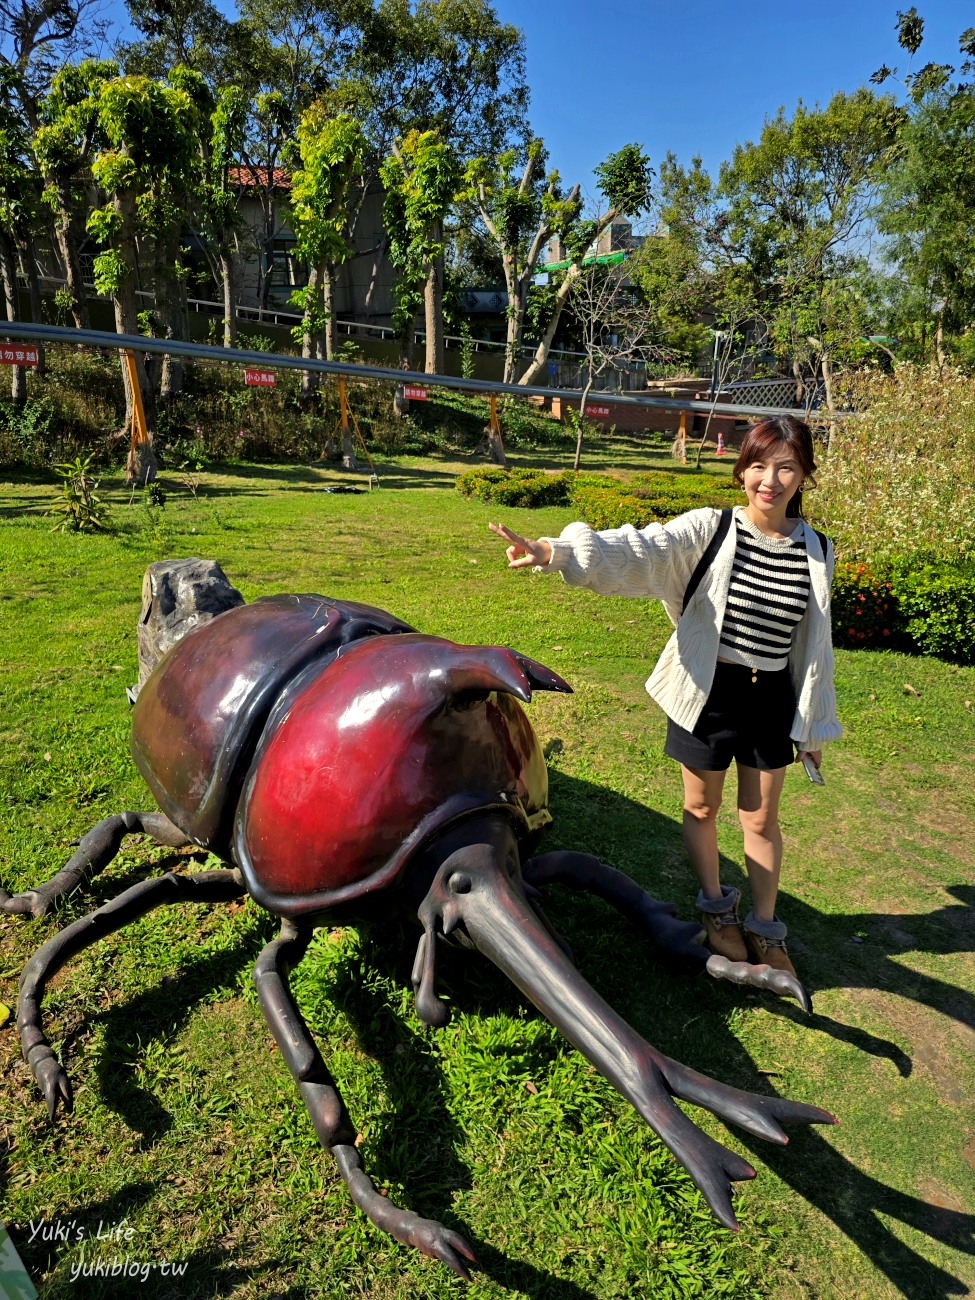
<point x="523" y="551"/>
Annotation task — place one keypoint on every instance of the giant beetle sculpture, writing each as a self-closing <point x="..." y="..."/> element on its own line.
<point x="347" y="766"/>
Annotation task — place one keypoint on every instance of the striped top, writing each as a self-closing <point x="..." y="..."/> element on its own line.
<point x="767" y="597"/>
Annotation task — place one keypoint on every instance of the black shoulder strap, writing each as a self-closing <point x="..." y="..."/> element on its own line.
<point x="823" y="540"/>
<point x="707" y="559"/>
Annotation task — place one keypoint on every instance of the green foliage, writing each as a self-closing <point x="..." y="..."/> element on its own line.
<point x="626" y="178"/>
<point x="78" y="509"/>
<point x="331" y="148"/>
<point x="524" y="488"/>
<point x="937" y="605"/>
<point x="421" y="179"/>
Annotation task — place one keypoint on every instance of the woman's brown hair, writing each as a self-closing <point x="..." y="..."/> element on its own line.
<point x="765" y="436"/>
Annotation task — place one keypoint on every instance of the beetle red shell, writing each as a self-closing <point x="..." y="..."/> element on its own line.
<point x="319" y="743"/>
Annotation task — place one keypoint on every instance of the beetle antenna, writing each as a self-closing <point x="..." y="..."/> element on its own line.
<point x="430" y="1009"/>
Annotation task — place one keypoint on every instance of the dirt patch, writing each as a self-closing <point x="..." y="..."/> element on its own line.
<point x="968" y="1153"/>
<point x="941" y="1208"/>
<point x="930" y="1042"/>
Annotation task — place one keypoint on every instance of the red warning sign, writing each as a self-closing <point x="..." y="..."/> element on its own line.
<point x="413" y="393"/>
<point x="16" y="354"/>
<point x="260" y="378"/>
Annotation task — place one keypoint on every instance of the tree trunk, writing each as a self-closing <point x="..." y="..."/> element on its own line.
<point x="433" y="312"/>
<point x="8" y="271"/>
<point x="538" y="361"/>
<point x="517" y="305"/>
<point x="830" y="398"/>
<point x="228" y="276"/>
<point x="127" y="322"/>
<point x="328" y="302"/>
<point x="29" y="263"/>
<point x="401" y="404"/>
<point x="169" y="314"/>
<point x="581" y="427"/>
<point x="349" y="460"/>
<point x="309" y="379"/>
<point x="65" y="231"/>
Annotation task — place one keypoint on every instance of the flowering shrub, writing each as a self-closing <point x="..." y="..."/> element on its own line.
<point x="864" y="608"/>
<point x="896" y="479"/>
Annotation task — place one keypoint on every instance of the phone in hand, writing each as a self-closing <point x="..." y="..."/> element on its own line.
<point x="812" y="771"/>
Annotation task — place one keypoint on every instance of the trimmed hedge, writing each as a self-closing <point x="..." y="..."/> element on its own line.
<point x="601" y="500"/>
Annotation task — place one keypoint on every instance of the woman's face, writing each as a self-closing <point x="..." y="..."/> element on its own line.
<point x="770" y="484"/>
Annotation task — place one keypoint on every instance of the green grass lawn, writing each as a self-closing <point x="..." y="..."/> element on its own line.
<point x="187" y="1126"/>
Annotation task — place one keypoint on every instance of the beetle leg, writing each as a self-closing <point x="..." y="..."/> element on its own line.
<point x="95" y="851"/>
<point x="325" y="1105"/>
<point x="584" y="872"/>
<point x="200" y="887"/>
<point x="675" y="938"/>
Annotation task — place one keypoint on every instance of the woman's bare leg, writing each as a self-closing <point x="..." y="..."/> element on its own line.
<point x="702" y="799"/>
<point x="758" y="811"/>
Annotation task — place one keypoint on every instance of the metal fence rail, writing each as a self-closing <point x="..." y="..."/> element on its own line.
<point x="280" y="361"/>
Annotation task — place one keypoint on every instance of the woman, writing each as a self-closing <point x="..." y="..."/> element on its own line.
<point x="748" y="671"/>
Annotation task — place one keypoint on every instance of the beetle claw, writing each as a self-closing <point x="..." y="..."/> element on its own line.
<point x="53" y="1082"/>
<point x="760" y="977"/>
<point x="433" y="1239"/>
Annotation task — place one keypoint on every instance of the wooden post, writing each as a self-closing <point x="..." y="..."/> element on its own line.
<point x="141" y="465"/>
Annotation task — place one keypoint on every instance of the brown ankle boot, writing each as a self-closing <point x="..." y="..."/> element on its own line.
<point x="768" y="948"/>
<point x="721" y="925"/>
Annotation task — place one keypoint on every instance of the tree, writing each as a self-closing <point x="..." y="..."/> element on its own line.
<point x="39" y="36"/>
<point x="19" y="193"/>
<point x="179" y="33"/>
<point x="521" y="213"/>
<point x="150" y="131"/>
<point x="614" y="330"/>
<point x="217" y="201"/>
<point x="928" y="199"/>
<point x="64" y="144"/>
<point x="449" y="66"/>
<point x="290" y="53"/>
<point x="625" y="179"/>
<point x="800" y="204"/>
<point x="421" y="177"/>
<point x="331" y="149"/>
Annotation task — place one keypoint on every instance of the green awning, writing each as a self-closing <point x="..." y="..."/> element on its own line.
<point x="604" y="259"/>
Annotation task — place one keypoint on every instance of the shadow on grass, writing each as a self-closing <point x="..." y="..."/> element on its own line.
<point x="852" y="1199"/>
<point x="431" y="1177"/>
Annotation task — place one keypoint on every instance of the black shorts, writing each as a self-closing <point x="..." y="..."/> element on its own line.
<point x="742" y="720"/>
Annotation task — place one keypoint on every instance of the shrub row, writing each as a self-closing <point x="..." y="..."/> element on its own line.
<point x="601" y="500"/>
<point x="924" y="607"/>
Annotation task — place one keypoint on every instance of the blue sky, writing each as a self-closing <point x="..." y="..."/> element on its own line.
<point x="696" y="76"/>
<point x="699" y="76"/>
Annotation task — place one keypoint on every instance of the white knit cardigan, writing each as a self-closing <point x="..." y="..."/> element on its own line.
<point x="657" y="562"/>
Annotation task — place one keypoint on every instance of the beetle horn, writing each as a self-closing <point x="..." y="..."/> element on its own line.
<point x="475" y="671"/>
<point x="473" y="892"/>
